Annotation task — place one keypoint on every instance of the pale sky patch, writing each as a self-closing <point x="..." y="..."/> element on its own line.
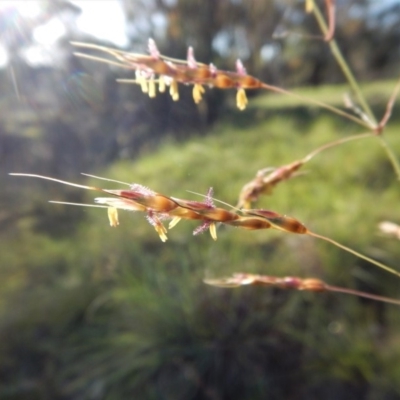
<point x="50" y="32"/>
<point x="102" y="19"/>
<point x="27" y="9"/>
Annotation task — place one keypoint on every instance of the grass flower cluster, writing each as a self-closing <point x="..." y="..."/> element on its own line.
<point x="158" y="70"/>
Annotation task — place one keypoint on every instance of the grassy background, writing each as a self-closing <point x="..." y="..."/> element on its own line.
<point x="93" y="312"/>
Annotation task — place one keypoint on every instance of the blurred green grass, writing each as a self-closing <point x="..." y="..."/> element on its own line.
<point x="110" y="313"/>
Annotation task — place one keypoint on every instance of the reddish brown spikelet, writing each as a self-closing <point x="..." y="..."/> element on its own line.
<point x="250" y="223"/>
<point x="207" y="209"/>
<point x="313" y="284"/>
<point x="249" y="82"/>
<point x="291" y="282"/>
<point x="204" y="74"/>
<point x="185" y="213"/>
<point x="282" y="222"/>
<point x="283" y="173"/>
<point x="264" y="182"/>
<point x="157" y="202"/>
<point x="218" y="214"/>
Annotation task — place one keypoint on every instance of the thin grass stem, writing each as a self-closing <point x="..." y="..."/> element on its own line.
<point x="309" y="156"/>
<point x="102" y="60"/>
<point x="317" y="103"/>
<point x="77" y="204"/>
<point x="344" y="67"/>
<point x="356" y="253"/>
<point x="105" y="179"/>
<point x="357" y="91"/>
<point x="371" y="296"/>
<point x="392" y="158"/>
<point x="57" y="180"/>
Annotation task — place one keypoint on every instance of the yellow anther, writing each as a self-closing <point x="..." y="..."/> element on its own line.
<point x="161" y="84"/>
<point x="173" y="90"/>
<point x="152" y="88"/>
<point x="113" y="216"/>
<point x="173" y="222"/>
<point x="143" y="85"/>
<point x="241" y="99"/>
<point x="213" y="231"/>
<point x="198" y="91"/>
<point x="160" y="229"/>
<point x="309" y="6"/>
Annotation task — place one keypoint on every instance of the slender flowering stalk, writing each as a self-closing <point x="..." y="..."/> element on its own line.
<point x="159" y="207"/>
<point x="292" y="283"/>
<point x="266" y="179"/>
<point x="158" y="68"/>
<point x="171" y="71"/>
<point x="291" y="225"/>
